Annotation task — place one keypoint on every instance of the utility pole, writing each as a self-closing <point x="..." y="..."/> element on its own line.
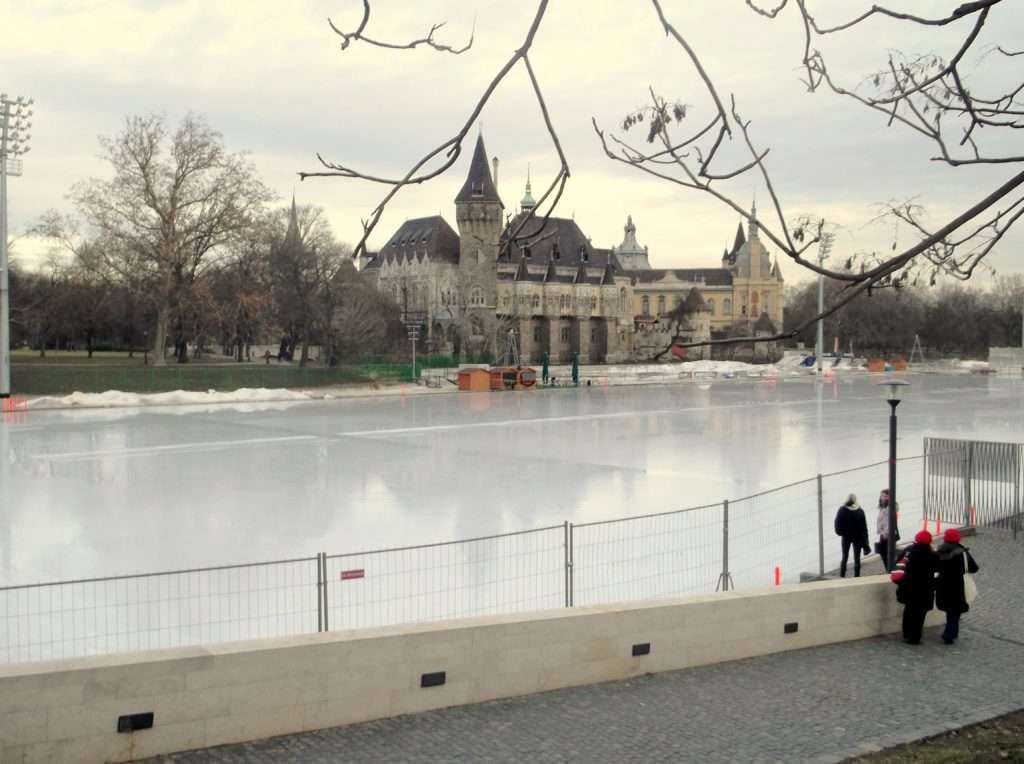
<point x="824" y="246"/>
<point x="14" y="138"/>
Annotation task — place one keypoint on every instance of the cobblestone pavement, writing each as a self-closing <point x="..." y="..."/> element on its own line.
<point x="817" y="705"/>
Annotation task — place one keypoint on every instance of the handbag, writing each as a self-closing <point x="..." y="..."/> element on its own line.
<point x="970" y="587"/>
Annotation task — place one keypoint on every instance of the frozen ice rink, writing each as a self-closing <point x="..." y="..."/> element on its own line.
<point x="105" y="492"/>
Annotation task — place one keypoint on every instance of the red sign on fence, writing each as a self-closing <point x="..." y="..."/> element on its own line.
<point x="348" y="575"/>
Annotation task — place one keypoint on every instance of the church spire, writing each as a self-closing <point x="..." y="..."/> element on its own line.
<point x="527" y="202"/>
<point x="479" y="186"/>
<point x="753" y="220"/>
<point x="293" y="222"/>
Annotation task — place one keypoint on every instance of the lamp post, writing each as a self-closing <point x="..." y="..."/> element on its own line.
<point x="893" y="389"/>
<point x="14" y="138"/>
<point x="824" y="246"/>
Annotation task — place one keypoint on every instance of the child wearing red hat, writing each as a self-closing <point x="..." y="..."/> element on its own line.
<point x="915" y="581"/>
<point x="954" y="562"/>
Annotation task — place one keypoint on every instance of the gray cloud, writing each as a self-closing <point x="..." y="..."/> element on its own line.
<point x="271" y="78"/>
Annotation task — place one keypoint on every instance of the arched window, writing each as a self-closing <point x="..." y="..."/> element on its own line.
<point x="711" y="306"/>
<point x="536" y="301"/>
<point x="766" y="301"/>
<point x="476" y="296"/>
<point x="727" y="307"/>
<point x="753" y="304"/>
<point x="645" y="306"/>
<point x="622" y="300"/>
<point x="661" y="304"/>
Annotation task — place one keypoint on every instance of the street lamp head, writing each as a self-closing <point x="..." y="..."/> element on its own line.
<point x="895" y="389"/>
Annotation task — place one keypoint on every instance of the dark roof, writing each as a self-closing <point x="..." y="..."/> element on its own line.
<point x="709" y="276"/>
<point x="479" y="186"/>
<point x="764" y="324"/>
<point x="740" y="239"/>
<point x="431" y="234"/>
<point x="694" y="302"/>
<point x="560" y="241"/>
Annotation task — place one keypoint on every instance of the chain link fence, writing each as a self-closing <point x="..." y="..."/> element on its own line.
<point x="769" y="538"/>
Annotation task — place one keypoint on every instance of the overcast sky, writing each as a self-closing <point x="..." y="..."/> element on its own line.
<point x="272" y="79"/>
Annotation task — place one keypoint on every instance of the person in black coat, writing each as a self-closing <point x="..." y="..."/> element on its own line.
<point x="954" y="562"/>
<point x="915" y="580"/>
<point x="852" y="528"/>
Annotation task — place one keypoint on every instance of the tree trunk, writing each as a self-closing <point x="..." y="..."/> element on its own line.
<point x="88" y="341"/>
<point x="160" y="335"/>
<point x="305" y="344"/>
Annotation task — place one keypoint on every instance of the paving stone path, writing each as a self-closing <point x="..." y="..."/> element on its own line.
<point x="818" y="705"/>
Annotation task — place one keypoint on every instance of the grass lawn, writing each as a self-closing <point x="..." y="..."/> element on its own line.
<point x="997" y="740"/>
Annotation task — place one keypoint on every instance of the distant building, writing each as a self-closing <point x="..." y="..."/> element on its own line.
<point x="558" y="292"/>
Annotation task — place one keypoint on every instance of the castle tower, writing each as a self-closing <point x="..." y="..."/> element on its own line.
<point x="478" y="213"/>
<point x="630" y="254"/>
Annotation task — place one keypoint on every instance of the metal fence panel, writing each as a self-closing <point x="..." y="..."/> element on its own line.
<point x="506" y="573"/>
<point x="660" y="555"/>
<point x="774" y="529"/>
<point x="126" y="613"/>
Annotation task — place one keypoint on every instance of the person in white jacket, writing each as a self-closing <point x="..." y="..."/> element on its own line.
<point x="882" y="527"/>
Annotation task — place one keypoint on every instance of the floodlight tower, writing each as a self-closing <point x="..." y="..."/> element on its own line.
<point x="824" y="246"/>
<point x="15" y="123"/>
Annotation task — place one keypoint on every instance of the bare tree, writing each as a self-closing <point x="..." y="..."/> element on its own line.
<point x="932" y="95"/>
<point x="175" y="200"/>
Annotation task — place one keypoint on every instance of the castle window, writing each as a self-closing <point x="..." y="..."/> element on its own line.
<point x="645" y="308"/>
<point x="476" y="296"/>
<point x="622" y="300"/>
<point x="767" y="301"/>
<point x="661" y="304"/>
<point x="727" y="307"/>
<point x="536" y="334"/>
<point x="566" y="335"/>
<point x="711" y="306"/>
<point x="584" y="257"/>
<point x="536" y="301"/>
<point x="506" y="300"/>
<point x="478" y="189"/>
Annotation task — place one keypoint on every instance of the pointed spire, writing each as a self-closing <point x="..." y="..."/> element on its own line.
<point x="479" y="186"/>
<point x="527" y="202"/>
<point x="293" y="222"/>
<point x="740" y="239"/>
<point x="753" y="220"/>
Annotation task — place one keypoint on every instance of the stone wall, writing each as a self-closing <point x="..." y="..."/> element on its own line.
<point x="67" y="711"/>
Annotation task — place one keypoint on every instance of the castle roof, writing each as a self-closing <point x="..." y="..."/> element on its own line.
<point x="479" y="186"/>
<point x="764" y="324"/>
<point x="431" y="236"/>
<point x="708" y="276"/>
<point x="694" y="302"/>
<point x="559" y="240"/>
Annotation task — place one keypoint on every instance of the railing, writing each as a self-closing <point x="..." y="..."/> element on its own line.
<point x="768" y="538"/>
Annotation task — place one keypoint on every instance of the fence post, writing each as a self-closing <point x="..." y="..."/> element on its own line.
<point x="821" y="530"/>
<point x="319" y="594"/>
<point x="968" y="474"/>
<point x="323" y="563"/>
<point x="1016" y="493"/>
<point x="572" y="565"/>
<point x="924" y="485"/>
<point x="565" y="558"/>
<point x="724" y="577"/>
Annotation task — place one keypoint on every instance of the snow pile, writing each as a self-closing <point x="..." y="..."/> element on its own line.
<point x="117" y="399"/>
<point x="974" y="365"/>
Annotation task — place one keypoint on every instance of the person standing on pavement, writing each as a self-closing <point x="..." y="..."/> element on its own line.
<point x="915" y="581"/>
<point x="882" y="528"/>
<point x="852" y="528"/>
<point x="954" y="562"/>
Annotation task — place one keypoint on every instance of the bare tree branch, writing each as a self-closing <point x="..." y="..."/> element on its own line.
<point x="348" y="37"/>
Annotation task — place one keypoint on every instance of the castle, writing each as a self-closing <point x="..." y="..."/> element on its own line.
<point x="558" y="292"/>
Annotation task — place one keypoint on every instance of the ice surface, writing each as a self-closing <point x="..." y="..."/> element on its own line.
<point x="102" y="492"/>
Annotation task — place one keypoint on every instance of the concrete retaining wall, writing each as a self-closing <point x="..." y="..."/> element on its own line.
<point x="67" y="711"/>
